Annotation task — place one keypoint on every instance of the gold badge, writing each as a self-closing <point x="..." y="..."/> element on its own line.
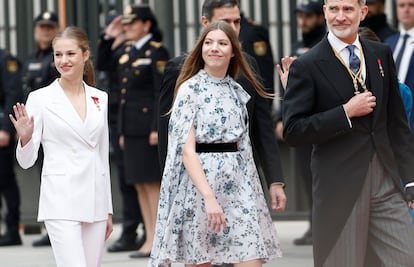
<point x="155" y="44"/>
<point x="12" y="66"/>
<point x="161" y="66"/>
<point x="127" y="10"/>
<point x="46" y="15"/>
<point x="123" y="59"/>
<point x="260" y="48"/>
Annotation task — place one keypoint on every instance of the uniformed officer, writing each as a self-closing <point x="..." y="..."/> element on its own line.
<point x="10" y="93"/>
<point x="140" y="67"/>
<point x="128" y="240"/>
<point x="255" y="42"/>
<point x="39" y="71"/>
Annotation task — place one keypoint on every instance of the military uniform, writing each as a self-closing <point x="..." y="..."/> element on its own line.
<point x="131" y="213"/>
<point x="10" y="93"/>
<point x="140" y="76"/>
<point x="140" y="72"/>
<point x="39" y="70"/>
<point x="255" y="42"/>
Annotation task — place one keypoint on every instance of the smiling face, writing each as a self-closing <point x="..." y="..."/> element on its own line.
<point x="69" y="58"/>
<point x="217" y="52"/>
<point x="343" y="18"/>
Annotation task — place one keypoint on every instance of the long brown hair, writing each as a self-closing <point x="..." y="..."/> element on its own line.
<point x="194" y="61"/>
<point x="81" y="38"/>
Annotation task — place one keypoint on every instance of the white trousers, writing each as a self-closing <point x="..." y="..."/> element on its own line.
<point x="77" y="244"/>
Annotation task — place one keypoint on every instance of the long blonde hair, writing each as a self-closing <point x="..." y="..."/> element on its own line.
<point x="194" y="61"/>
<point x="81" y="38"/>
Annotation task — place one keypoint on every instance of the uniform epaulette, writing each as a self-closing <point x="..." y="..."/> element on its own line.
<point x="155" y="44"/>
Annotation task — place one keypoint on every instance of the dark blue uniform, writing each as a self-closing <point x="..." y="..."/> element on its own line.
<point x="39" y="70"/>
<point x="255" y="42"/>
<point x="10" y="93"/>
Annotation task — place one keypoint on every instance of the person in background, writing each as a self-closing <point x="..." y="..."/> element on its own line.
<point x="254" y="39"/>
<point x="140" y="68"/>
<point x="69" y="118"/>
<point x="212" y="208"/>
<point x="39" y="71"/>
<point x="402" y="44"/>
<point x="311" y="22"/>
<point x="335" y="99"/>
<point x="131" y="213"/>
<point x="377" y="20"/>
<point x="10" y="93"/>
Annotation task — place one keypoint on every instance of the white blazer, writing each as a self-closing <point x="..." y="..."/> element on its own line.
<point x="75" y="179"/>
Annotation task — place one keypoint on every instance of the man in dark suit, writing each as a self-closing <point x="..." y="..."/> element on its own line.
<point x="345" y="101"/>
<point x="265" y="148"/>
<point x="404" y="50"/>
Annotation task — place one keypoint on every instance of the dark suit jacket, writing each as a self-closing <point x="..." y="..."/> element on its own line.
<point x="317" y="88"/>
<point x="409" y="80"/>
<point x="265" y="147"/>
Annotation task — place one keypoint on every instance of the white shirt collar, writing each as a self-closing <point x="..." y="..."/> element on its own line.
<point x="340" y="45"/>
<point x="138" y="45"/>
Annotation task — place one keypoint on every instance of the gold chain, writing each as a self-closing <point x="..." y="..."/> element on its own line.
<point x="356" y="77"/>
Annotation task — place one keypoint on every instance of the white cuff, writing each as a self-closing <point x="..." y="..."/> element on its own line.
<point x="409" y="185"/>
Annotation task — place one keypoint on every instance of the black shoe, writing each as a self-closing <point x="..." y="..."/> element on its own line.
<point x="10" y="238"/>
<point x="305" y="240"/>
<point x="139" y="254"/>
<point x="42" y="242"/>
<point x="126" y="244"/>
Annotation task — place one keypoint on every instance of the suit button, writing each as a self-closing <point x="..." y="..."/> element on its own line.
<point x="123" y="91"/>
<point x="123" y="101"/>
<point x="145" y="109"/>
<point x="137" y="72"/>
<point x="91" y="149"/>
<point x="124" y="80"/>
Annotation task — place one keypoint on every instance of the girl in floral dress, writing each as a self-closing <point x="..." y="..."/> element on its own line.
<point x="212" y="208"/>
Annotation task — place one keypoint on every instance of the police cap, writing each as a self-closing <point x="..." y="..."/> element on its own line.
<point x="135" y="12"/>
<point x="310" y="7"/>
<point x="47" y="18"/>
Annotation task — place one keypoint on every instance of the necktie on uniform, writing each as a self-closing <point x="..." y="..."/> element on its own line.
<point x="401" y="52"/>
<point x="354" y="61"/>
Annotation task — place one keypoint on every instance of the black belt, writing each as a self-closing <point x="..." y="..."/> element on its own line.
<point x="217" y="148"/>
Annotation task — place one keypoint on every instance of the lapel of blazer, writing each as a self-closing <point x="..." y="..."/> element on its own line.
<point x="62" y="108"/>
<point x="330" y="66"/>
<point x="373" y="72"/>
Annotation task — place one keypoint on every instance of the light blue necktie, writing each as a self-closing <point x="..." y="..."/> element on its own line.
<point x="401" y="52"/>
<point x="354" y="61"/>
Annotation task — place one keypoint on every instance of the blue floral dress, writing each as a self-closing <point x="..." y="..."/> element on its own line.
<point x="217" y="109"/>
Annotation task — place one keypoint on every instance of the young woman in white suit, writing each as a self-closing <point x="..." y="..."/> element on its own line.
<point x="69" y="119"/>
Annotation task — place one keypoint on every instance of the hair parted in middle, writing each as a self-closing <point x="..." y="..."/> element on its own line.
<point x="238" y="64"/>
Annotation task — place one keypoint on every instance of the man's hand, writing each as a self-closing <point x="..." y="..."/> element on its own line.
<point x="277" y="194"/>
<point x="360" y="105"/>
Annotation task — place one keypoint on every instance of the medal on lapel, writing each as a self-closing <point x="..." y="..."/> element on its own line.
<point x="380" y="67"/>
<point x="96" y="102"/>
